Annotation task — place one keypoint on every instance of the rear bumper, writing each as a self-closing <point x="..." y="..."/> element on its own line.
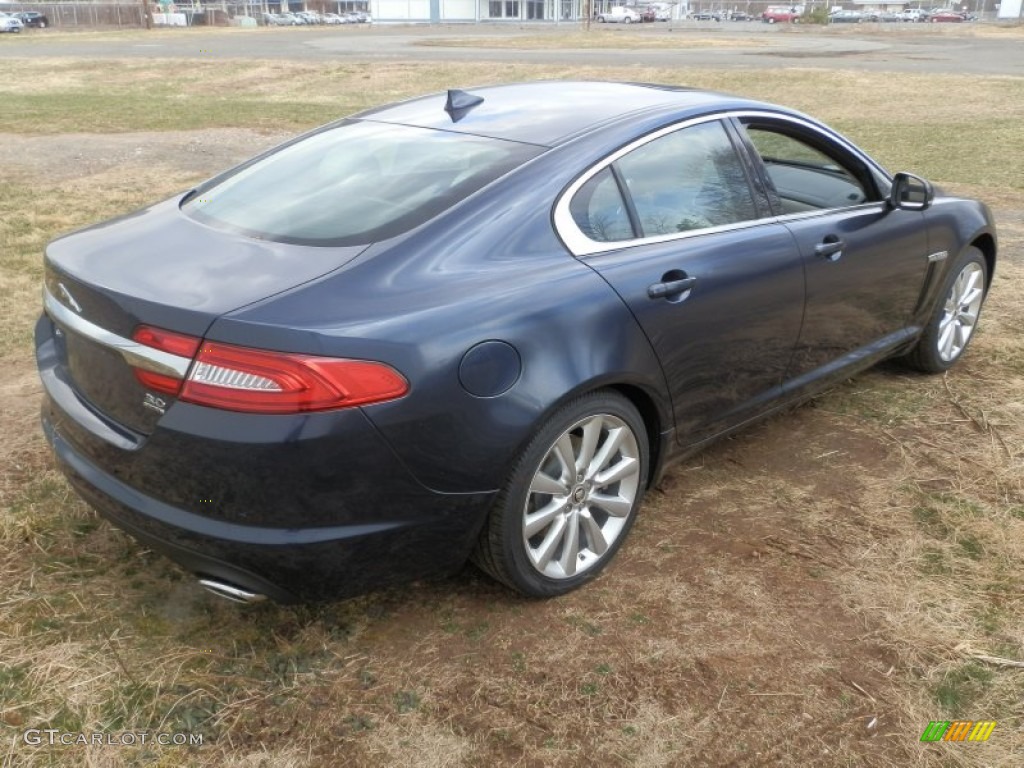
<point x="287" y="564"/>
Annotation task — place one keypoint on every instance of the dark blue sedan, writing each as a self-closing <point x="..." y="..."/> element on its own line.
<point x="479" y="325"/>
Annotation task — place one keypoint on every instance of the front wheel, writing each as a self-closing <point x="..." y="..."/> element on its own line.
<point x="627" y="20"/>
<point x="954" y="320"/>
<point x="571" y="499"/>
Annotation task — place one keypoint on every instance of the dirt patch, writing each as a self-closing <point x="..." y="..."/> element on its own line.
<point x="73" y="156"/>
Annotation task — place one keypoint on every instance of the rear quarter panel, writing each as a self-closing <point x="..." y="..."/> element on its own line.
<point x="492" y="269"/>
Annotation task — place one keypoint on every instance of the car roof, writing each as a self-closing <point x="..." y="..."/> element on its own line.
<point x="552" y="112"/>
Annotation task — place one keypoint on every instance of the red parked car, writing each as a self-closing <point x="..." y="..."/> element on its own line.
<point x="946" y="16"/>
<point x="782" y="13"/>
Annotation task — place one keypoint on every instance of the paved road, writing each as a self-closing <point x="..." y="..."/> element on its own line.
<point x="898" y="48"/>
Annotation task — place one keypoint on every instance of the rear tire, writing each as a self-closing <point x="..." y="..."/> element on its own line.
<point x="571" y="498"/>
<point x="955" y="317"/>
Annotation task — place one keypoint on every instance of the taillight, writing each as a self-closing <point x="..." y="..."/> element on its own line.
<point x="260" y="381"/>
<point x="182" y="347"/>
<point x="253" y="380"/>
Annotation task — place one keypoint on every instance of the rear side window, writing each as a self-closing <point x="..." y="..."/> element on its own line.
<point x="599" y="211"/>
<point x="355" y="183"/>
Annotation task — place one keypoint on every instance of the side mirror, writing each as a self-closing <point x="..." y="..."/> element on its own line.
<point x="911" y="193"/>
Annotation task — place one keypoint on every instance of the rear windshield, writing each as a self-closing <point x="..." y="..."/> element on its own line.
<point x="355" y="183"/>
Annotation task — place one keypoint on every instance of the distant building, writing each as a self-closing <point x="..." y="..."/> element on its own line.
<point x="440" y="11"/>
<point x="1010" y="9"/>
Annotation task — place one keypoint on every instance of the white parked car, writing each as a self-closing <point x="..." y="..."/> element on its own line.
<point x="619" y="14"/>
<point x="10" y="23"/>
<point x="913" y="14"/>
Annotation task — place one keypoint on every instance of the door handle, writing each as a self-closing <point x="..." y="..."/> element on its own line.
<point x="830" y="248"/>
<point x="671" y="289"/>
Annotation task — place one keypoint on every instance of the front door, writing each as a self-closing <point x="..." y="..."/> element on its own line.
<point x="865" y="262"/>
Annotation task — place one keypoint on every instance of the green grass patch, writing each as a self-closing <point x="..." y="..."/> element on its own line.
<point x="961" y="687"/>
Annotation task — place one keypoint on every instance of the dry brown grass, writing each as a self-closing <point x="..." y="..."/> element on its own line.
<point x="782" y="592"/>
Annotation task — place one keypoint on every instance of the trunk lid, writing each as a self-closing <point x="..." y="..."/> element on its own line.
<point x="156" y="267"/>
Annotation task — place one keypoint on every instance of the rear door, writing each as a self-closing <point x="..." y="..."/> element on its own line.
<point x="865" y="262"/>
<point x="675" y="227"/>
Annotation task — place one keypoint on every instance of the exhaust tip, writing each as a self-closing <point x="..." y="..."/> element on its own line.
<point x="231" y="592"/>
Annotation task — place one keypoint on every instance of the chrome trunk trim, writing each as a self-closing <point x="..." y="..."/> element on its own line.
<point x="135" y="354"/>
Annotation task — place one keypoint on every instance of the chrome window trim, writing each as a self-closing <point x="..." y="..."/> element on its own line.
<point x="135" y="354"/>
<point x="580" y="245"/>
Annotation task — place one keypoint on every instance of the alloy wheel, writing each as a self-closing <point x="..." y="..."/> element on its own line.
<point x="960" y="315"/>
<point x="581" y="496"/>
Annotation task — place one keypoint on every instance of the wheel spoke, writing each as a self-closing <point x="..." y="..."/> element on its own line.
<point x="596" y="541"/>
<point x="624" y="468"/>
<point x="570" y="545"/>
<point x="970" y="297"/>
<point x="564" y="453"/>
<point x="968" y="318"/>
<point x="539" y="520"/>
<point x="963" y="333"/>
<point x="543" y="554"/>
<point x="616" y="506"/>
<point x="946" y="341"/>
<point x="544" y="483"/>
<point x="591" y="435"/>
<point x="608" y="449"/>
<point x="970" y="281"/>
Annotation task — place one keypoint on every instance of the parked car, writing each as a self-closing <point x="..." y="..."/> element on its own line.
<point x="9" y="23"/>
<point x="480" y="324"/>
<point x="845" y="17"/>
<point x="662" y="11"/>
<point x="619" y="14"/>
<point x="782" y="14"/>
<point x="333" y="18"/>
<point x="33" y="19"/>
<point x="707" y="16"/>
<point x="740" y="16"/>
<point x="913" y="14"/>
<point x="648" y="15"/>
<point x="946" y="17"/>
<point x="280" y="20"/>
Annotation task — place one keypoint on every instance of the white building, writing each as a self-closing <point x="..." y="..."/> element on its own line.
<point x="1010" y="9"/>
<point x="440" y="11"/>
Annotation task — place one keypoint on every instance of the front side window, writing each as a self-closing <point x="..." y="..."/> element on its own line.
<point x="355" y="183"/>
<point x="805" y="177"/>
<point x="689" y="179"/>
